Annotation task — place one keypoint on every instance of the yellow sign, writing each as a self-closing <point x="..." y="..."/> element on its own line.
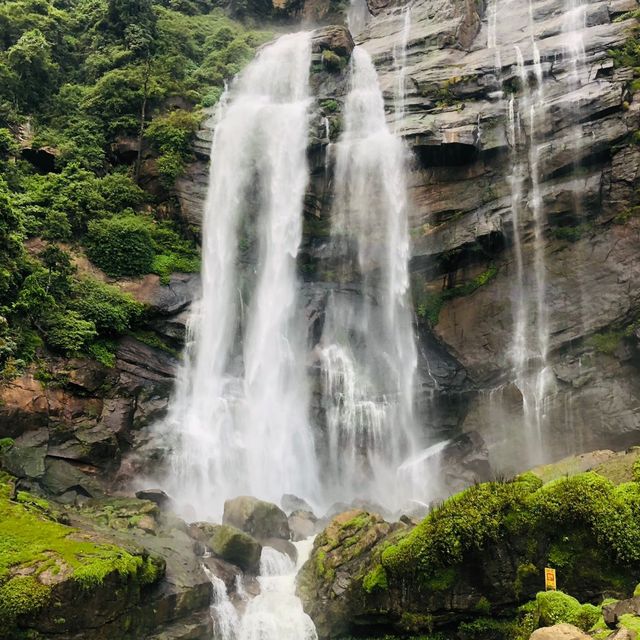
<point x="549" y="579"/>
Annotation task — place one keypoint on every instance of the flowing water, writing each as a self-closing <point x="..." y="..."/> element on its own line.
<point x="276" y="613"/>
<point x="239" y="414"/>
<point x="367" y="352"/>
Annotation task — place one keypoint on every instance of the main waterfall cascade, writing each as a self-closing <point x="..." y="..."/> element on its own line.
<point x="238" y="421"/>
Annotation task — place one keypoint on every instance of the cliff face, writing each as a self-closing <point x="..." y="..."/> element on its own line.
<point x="456" y="121"/>
<point x="569" y="174"/>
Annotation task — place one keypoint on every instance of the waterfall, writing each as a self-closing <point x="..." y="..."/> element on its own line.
<point x="276" y="613"/>
<point x="400" y="63"/>
<point x="358" y="16"/>
<point x="223" y="614"/>
<point x="238" y="420"/>
<point x="367" y="353"/>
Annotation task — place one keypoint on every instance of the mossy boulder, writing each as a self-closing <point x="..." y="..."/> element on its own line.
<point x="483" y="550"/>
<point x="59" y="579"/>
<point x="258" y="518"/>
<point x="236" y="547"/>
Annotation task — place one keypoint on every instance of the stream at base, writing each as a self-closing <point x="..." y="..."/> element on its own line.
<point x="276" y="613"/>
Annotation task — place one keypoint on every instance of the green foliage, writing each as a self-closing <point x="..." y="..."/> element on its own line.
<point x="555" y="607"/>
<point x="486" y="513"/>
<point x="329" y="106"/>
<point x="68" y="332"/>
<point x="571" y="234"/>
<point x="111" y="311"/>
<point x="121" y="246"/>
<point x="487" y="629"/>
<point x="606" y="342"/>
<point x="332" y="62"/>
<point x="429" y="304"/>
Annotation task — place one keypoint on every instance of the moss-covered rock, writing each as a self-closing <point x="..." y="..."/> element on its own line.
<point x="258" y="518"/>
<point x="483" y="550"/>
<point x="236" y="547"/>
<point x="49" y="571"/>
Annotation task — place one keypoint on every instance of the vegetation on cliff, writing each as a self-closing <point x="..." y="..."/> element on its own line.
<point x="99" y="100"/>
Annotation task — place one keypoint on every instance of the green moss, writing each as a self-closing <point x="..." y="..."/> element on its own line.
<point x="602" y="519"/>
<point x="5" y="444"/>
<point x="29" y="537"/>
<point x="415" y="622"/>
<point x="329" y="106"/>
<point x="375" y="580"/>
<point x="555" y="607"/>
<point x="486" y="629"/>
<point x="631" y="622"/>
<point x="332" y="62"/>
<point x="571" y="234"/>
<point x="606" y="342"/>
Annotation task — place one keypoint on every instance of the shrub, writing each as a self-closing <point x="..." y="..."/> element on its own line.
<point x="68" y="332"/>
<point x="121" y="246"/>
<point x="110" y="310"/>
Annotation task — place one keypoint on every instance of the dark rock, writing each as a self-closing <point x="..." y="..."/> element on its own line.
<point x="334" y="38"/>
<point x="236" y="546"/>
<point x="61" y="476"/>
<point x="25" y="458"/>
<point x="158" y="496"/>
<point x="613" y="612"/>
<point x="226" y="571"/>
<point x="260" y="519"/>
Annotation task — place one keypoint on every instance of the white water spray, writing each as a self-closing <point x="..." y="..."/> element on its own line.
<point x="367" y="353"/>
<point x="239" y="422"/>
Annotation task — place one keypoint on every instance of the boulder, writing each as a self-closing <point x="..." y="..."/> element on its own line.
<point x="624" y="634"/>
<point x="559" y="632"/>
<point x="25" y="458"/>
<point x="236" y="546"/>
<point x="258" y="518"/>
<point x="302" y="524"/>
<point x="613" y="612"/>
<point x="290" y="503"/>
<point x="333" y="38"/>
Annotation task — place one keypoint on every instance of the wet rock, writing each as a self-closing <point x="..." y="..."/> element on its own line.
<point x="559" y="632"/>
<point x="25" y="458"/>
<point x="236" y="546"/>
<point x="259" y="519"/>
<point x="302" y="524"/>
<point x="283" y="546"/>
<point x="227" y="572"/>
<point x="623" y="634"/>
<point x="61" y="477"/>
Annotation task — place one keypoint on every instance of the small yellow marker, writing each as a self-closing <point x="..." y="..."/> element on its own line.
<point x="549" y="579"/>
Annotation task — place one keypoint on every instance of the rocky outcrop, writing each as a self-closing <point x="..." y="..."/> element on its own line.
<point x="481" y="553"/>
<point x="112" y="568"/>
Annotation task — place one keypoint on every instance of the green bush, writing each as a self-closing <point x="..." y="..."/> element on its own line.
<point x="68" y="332"/>
<point x="110" y="310"/>
<point x="121" y="246"/>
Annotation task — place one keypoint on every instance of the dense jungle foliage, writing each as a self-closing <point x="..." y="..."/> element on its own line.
<point x="99" y="100"/>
